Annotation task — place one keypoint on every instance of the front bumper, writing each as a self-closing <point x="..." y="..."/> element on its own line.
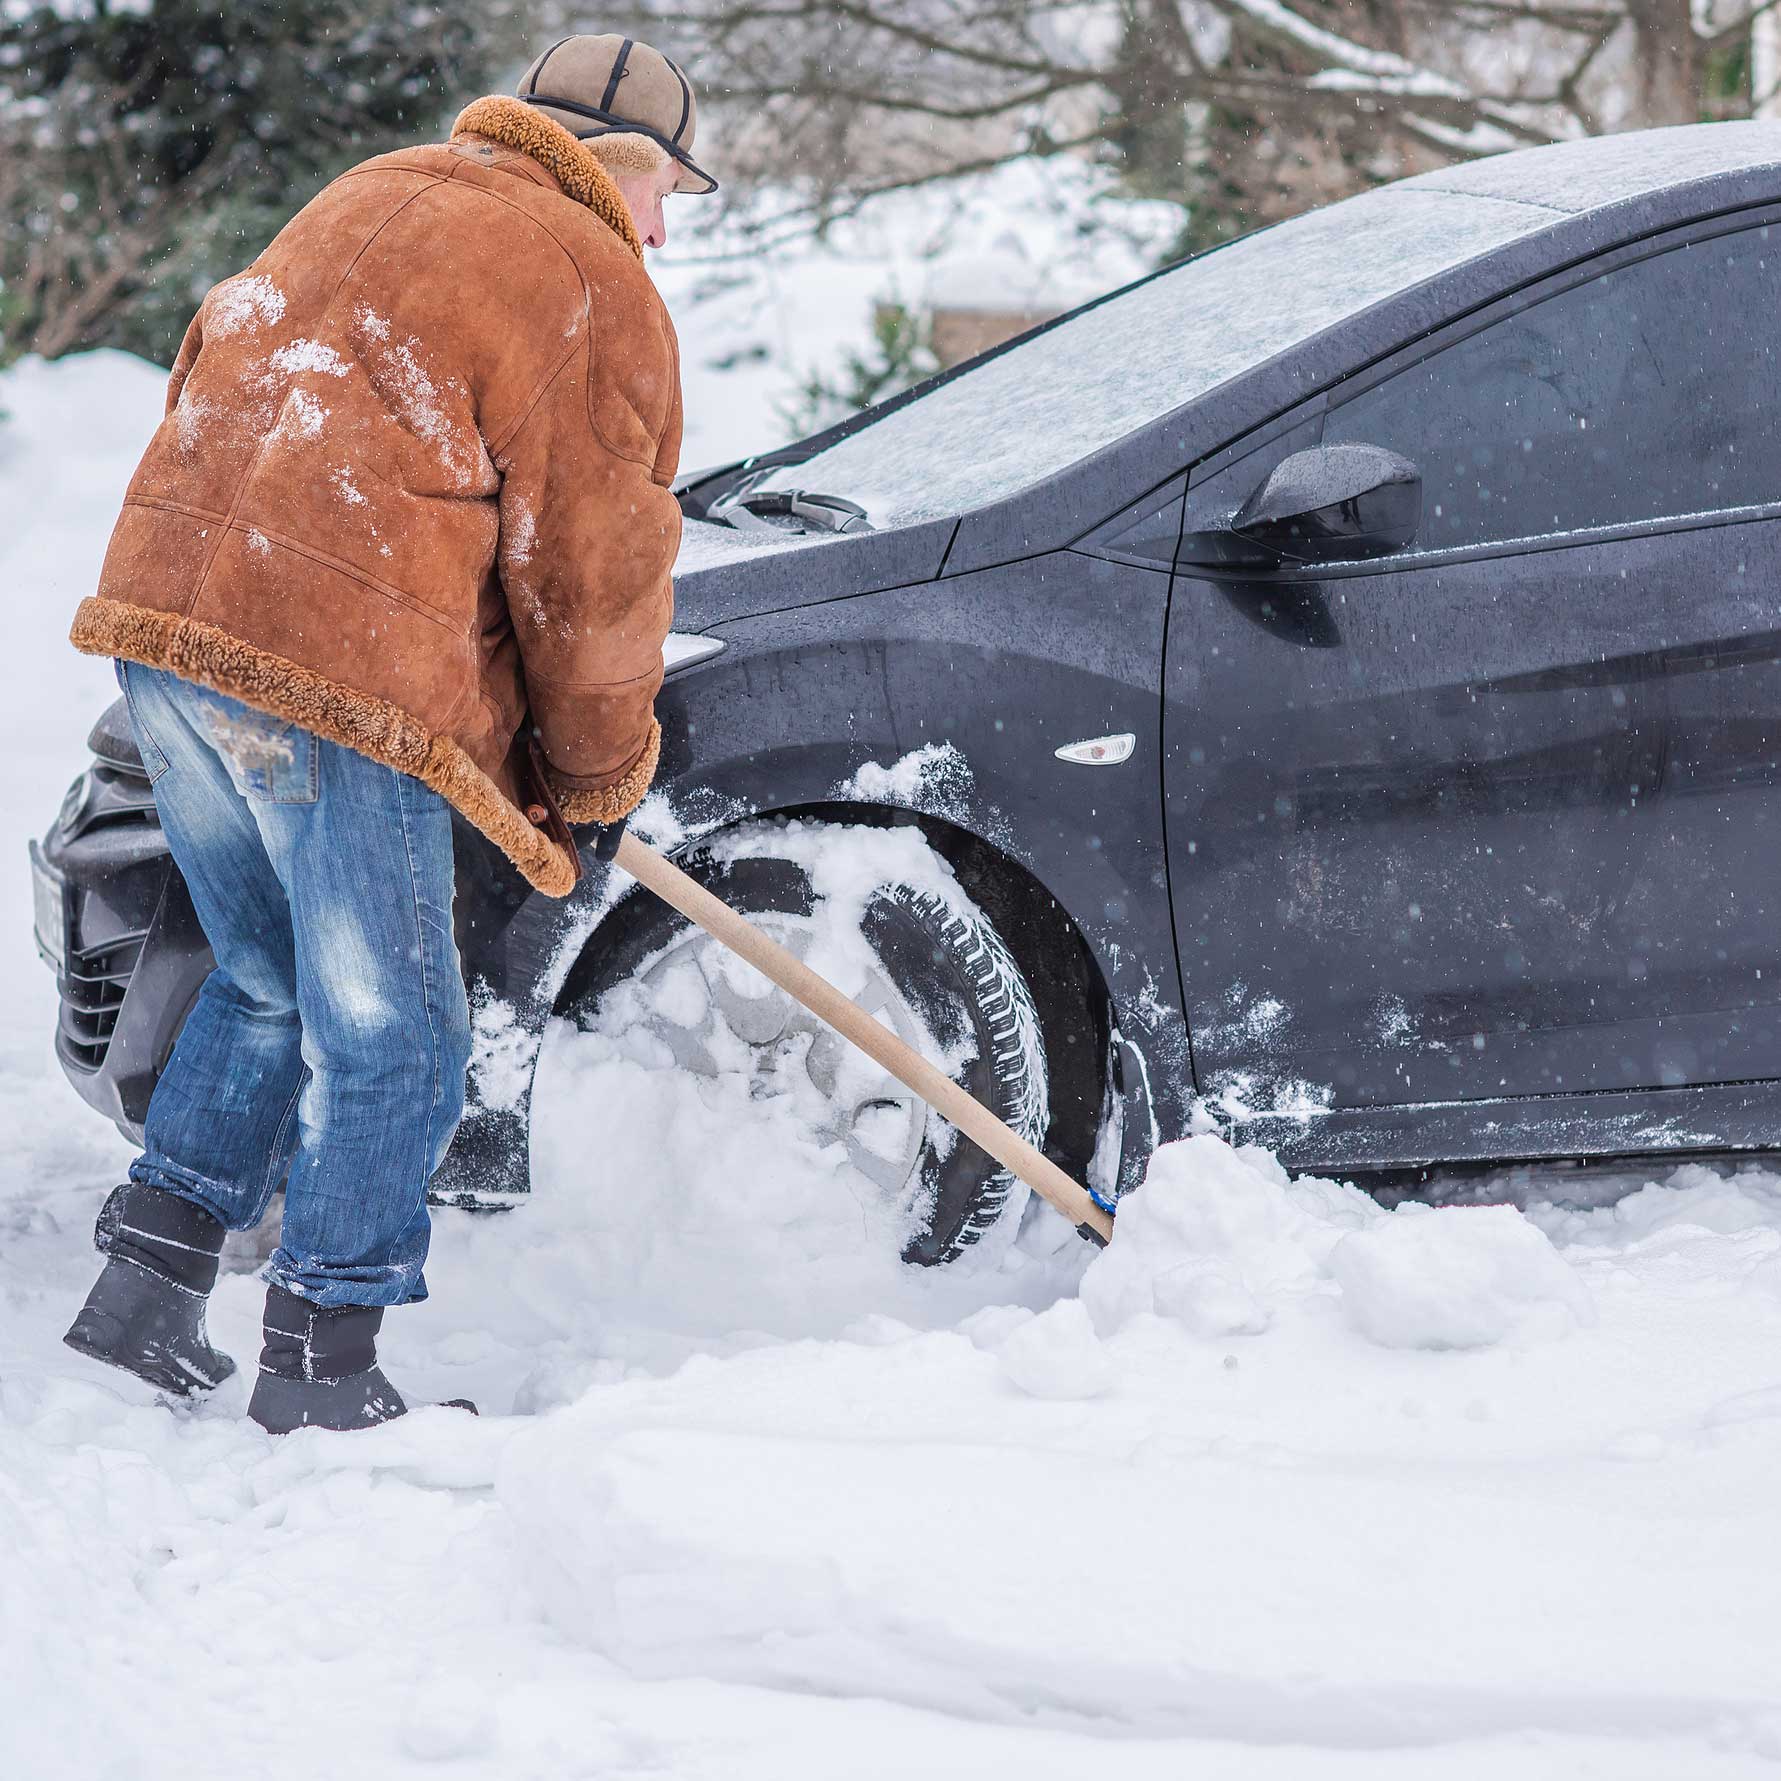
<point x="115" y="923"/>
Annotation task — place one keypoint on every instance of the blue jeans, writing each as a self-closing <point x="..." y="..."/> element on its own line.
<point x="332" y="1038"/>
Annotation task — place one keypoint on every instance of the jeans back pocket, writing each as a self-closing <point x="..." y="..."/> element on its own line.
<point x="267" y="758"/>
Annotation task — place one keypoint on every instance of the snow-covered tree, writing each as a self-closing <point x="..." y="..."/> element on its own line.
<point x="1242" y="110"/>
<point x="149" y="147"/>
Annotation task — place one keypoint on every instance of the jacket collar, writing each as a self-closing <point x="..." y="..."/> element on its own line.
<point x="571" y="163"/>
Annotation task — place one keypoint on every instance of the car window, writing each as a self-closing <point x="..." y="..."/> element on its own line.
<point x="1095" y="378"/>
<point x="1649" y="392"/>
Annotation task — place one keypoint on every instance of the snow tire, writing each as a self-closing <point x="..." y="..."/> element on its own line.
<point x="949" y="964"/>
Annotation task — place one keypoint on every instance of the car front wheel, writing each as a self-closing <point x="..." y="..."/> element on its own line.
<point x="879" y="912"/>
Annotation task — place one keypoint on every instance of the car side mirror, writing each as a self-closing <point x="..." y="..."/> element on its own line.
<point x="1333" y="503"/>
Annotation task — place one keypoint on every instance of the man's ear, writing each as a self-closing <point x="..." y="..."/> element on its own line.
<point x="624" y="151"/>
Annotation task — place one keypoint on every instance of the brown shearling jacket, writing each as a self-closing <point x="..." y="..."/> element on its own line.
<point x="411" y="490"/>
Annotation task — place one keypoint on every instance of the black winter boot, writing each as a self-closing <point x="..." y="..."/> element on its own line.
<point x="146" y="1310"/>
<point x="319" y="1368"/>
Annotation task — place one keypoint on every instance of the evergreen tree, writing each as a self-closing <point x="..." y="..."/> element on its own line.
<point x="151" y="147"/>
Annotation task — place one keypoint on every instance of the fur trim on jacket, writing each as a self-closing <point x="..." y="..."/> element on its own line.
<point x="567" y="159"/>
<point x="412" y="487"/>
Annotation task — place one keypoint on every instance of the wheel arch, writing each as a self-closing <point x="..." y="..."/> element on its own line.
<point x="1070" y="992"/>
<point x="1076" y="1009"/>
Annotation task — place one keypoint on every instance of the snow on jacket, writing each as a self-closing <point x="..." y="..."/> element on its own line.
<point x="411" y="491"/>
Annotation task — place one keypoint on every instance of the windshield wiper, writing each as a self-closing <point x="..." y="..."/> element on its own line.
<point x="748" y="508"/>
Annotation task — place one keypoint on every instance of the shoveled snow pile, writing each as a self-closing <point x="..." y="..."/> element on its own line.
<point x="1280" y="1485"/>
<point x="1222" y="1242"/>
<point x="1464" y="1277"/>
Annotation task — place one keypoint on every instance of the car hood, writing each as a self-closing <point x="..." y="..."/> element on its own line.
<point x="724" y="574"/>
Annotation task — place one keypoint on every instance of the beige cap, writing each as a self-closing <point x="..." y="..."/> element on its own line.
<point x="616" y="86"/>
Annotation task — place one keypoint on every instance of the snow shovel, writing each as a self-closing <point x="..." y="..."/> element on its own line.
<point x="875" y="1039"/>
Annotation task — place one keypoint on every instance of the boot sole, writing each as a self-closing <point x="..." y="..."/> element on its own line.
<point x="158" y="1370"/>
<point x="281" y="1406"/>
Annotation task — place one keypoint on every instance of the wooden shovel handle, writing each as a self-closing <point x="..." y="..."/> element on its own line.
<point x="875" y="1039"/>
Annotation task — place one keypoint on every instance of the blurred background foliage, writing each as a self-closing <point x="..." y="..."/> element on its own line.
<point x="147" y="150"/>
<point x="150" y="147"/>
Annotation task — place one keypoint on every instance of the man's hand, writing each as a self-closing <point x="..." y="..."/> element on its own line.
<point x="606" y="839"/>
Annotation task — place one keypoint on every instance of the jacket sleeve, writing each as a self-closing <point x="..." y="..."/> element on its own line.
<point x="588" y="538"/>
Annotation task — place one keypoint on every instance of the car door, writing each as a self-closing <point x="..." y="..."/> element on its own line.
<point x="1498" y="815"/>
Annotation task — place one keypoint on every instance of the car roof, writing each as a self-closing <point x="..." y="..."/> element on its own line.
<point x="1572" y="177"/>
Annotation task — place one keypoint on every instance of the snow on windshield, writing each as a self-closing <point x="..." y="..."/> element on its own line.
<point x="1090" y="381"/>
<point x="707" y="545"/>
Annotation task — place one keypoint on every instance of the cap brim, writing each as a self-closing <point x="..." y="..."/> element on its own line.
<point x="693" y="178"/>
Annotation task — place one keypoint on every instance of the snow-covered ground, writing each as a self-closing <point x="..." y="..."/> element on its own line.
<point x="1279" y="1486"/>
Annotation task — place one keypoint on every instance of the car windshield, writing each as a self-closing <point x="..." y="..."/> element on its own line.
<point x="1043" y="405"/>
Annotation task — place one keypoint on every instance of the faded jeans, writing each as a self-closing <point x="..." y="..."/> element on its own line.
<point x="332" y="1038"/>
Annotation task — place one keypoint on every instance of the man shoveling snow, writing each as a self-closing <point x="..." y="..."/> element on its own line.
<point x="400" y="546"/>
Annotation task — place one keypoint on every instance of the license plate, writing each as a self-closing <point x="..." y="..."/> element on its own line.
<point x="49" y="910"/>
